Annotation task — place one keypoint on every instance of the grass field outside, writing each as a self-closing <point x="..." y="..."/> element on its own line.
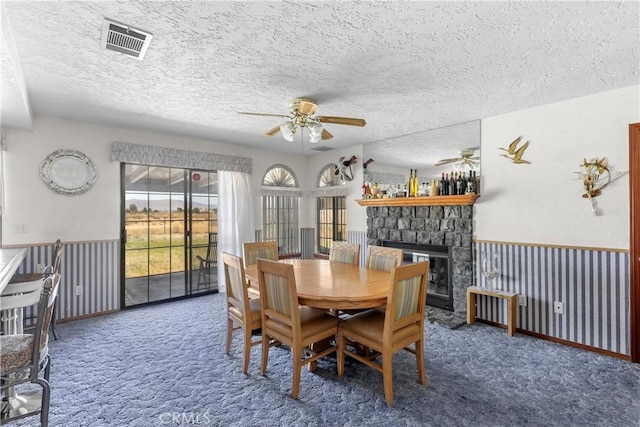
<point x="156" y="241"/>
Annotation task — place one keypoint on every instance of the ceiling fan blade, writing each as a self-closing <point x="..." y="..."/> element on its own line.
<point x="264" y="114"/>
<point x="447" y="161"/>
<point x="326" y="134"/>
<point x="307" y="108"/>
<point x="349" y="121"/>
<point x="273" y="131"/>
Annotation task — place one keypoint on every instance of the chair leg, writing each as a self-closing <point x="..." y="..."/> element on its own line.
<point x="296" y="354"/>
<point x="247" y="349"/>
<point x="422" y="377"/>
<point x="53" y="323"/>
<point x="387" y="376"/>
<point x="47" y="368"/>
<point x="340" y="355"/>
<point x="265" y="353"/>
<point x="229" y="334"/>
<point x="44" y="405"/>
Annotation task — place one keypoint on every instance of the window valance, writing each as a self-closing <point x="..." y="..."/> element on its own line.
<point x="330" y="192"/>
<point x="175" y="157"/>
<point x="284" y="192"/>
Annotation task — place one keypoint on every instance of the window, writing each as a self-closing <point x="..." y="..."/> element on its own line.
<point x="280" y="210"/>
<point x="332" y="221"/>
<point x="331" y="211"/>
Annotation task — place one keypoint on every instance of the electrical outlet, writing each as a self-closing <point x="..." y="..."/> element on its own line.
<point x="40" y="268"/>
<point x="558" y="307"/>
<point x="20" y="228"/>
<point x="522" y="300"/>
<point x="78" y="291"/>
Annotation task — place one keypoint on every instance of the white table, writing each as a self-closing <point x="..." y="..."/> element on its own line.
<point x="10" y="260"/>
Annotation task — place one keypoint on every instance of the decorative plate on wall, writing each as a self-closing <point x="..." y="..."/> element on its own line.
<point x="68" y="172"/>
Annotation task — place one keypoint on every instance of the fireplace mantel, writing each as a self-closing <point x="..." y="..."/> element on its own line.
<point x="465" y="199"/>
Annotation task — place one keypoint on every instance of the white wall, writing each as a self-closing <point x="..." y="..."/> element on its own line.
<point x="541" y="203"/>
<point x="94" y="215"/>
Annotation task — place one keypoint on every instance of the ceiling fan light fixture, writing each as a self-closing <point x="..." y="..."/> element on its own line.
<point x="288" y="129"/>
<point x="314" y="139"/>
<point x="315" y="131"/>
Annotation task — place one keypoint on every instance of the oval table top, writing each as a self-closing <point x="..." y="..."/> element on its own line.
<point x="333" y="285"/>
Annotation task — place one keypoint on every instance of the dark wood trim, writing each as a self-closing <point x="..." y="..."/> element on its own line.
<point x="560" y="341"/>
<point x="634" y="200"/>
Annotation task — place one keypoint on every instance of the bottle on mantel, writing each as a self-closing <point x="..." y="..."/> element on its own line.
<point x="416" y="183"/>
<point x="452" y="184"/>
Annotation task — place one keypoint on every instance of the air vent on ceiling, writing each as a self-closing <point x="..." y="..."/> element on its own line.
<point x="322" y="148"/>
<point x="124" y="39"/>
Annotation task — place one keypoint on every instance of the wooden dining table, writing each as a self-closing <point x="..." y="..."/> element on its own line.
<point x="332" y="285"/>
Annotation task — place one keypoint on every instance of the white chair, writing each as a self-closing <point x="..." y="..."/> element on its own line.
<point x="15" y="298"/>
<point x="24" y="358"/>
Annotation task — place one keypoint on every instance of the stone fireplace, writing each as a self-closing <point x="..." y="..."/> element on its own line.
<point x="435" y="230"/>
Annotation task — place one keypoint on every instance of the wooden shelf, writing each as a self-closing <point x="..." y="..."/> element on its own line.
<point x="465" y="199"/>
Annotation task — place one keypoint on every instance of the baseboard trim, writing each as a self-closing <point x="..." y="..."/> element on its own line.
<point x="87" y="316"/>
<point x="561" y="341"/>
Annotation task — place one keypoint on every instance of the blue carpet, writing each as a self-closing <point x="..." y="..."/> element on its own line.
<point x="165" y="366"/>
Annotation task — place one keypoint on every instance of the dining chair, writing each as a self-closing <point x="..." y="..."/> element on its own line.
<point x="284" y="320"/>
<point x="24" y="358"/>
<point x="207" y="262"/>
<point x="399" y="326"/>
<point x="254" y="250"/>
<point x="383" y="258"/>
<point x="347" y="253"/>
<point x="15" y="298"/>
<point x="242" y="312"/>
<point x="56" y="260"/>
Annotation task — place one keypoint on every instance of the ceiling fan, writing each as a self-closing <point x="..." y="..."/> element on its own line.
<point x="466" y="158"/>
<point x="302" y="115"/>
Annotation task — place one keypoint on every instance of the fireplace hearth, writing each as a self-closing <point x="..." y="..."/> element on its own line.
<point x="442" y="232"/>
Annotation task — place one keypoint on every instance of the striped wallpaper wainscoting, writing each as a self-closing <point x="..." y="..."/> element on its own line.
<point x="93" y="266"/>
<point x="593" y="284"/>
<point x="307" y="242"/>
<point x="361" y="238"/>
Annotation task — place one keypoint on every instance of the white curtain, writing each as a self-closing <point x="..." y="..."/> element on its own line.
<point x="235" y="216"/>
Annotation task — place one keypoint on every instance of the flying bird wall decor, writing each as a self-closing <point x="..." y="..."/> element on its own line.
<point x="514" y="153"/>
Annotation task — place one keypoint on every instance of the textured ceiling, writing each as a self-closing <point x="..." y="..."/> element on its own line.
<point x="405" y="67"/>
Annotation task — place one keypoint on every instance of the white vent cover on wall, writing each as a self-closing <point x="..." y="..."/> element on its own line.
<point x="124" y="39"/>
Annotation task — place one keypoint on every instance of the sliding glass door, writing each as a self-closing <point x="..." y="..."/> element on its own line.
<point x="169" y="233"/>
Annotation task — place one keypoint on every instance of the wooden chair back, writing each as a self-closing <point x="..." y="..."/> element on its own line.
<point x="279" y="300"/>
<point x="254" y="250"/>
<point x="383" y="258"/>
<point x="347" y="253"/>
<point x="237" y="296"/>
<point x="407" y="299"/>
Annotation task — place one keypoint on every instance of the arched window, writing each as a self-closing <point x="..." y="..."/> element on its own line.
<point x="328" y="176"/>
<point x="280" y="209"/>
<point x="279" y="176"/>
